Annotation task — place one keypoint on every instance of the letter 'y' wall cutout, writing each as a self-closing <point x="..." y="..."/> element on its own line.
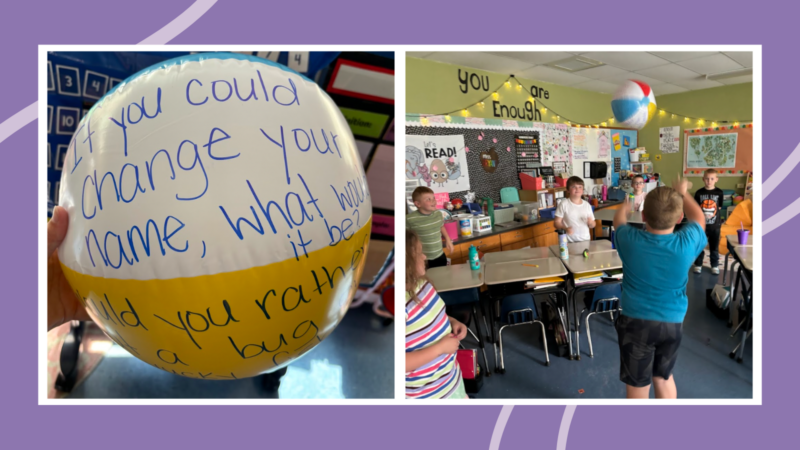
<point x="219" y="215"/>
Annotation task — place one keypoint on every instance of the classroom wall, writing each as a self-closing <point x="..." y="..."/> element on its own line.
<point x="434" y="88"/>
<point x="732" y="103"/>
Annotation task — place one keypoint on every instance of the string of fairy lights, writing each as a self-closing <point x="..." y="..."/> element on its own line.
<point x="556" y="117"/>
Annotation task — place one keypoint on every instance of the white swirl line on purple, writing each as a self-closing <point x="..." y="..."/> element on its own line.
<point x="162" y="36"/>
<point x="18" y="120"/>
<point x="781" y="173"/>
<point x="563" y="431"/>
<point x="180" y="23"/>
<point x="781" y="217"/>
<point x="500" y="427"/>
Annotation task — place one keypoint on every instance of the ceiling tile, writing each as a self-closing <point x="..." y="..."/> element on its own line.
<point x="551" y="75"/>
<point x="681" y="56"/>
<point x="711" y="64"/>
<point x="534" y="58"/>
<point x="666" y="89"/>
<point x="743" y="58"/>
<point x="698" y="83"/>
<point x="597" y="86"/>
<point x="418" y="54"/>
<point x="669" y="73"/>
<point x="600" y="73"/>
<point x="482" y="61"/>
<point x="618" y="79"/>
<point x="628" y="60"/>
<point x="737" y="80"/>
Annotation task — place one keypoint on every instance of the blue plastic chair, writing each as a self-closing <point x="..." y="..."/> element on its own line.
<point x="509" y="194"/>
<point x="605" y="299"/>
<point x="519" y="309"/>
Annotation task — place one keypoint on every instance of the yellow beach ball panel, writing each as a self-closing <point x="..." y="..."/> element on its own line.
<point x="229" y="325"/>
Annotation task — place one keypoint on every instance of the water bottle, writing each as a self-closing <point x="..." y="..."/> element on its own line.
<point x="613" y="245"/>
<point x="474" y="261"/>
<point x="562" y="244"/>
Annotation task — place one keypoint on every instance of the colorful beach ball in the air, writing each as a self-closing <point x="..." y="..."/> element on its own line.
<point x="633" y="104"/>
<point x="219" y="215"/>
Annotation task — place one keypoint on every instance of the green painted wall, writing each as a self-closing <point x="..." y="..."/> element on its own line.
<point x="435" y="88"/>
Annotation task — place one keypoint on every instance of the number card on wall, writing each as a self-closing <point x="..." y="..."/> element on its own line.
<point x="67" y="120"/>
<point x="68" y="83"/>
<point x="528" y="151"/>
<point x="94" y="84"/>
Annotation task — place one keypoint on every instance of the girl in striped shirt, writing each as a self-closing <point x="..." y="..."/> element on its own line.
<point x="431" y="336"/>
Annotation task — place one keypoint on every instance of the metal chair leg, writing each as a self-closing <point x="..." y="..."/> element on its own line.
<point x="589" y="336"/>
<point x="502" y="362"/>
<point x="544" y="339"/>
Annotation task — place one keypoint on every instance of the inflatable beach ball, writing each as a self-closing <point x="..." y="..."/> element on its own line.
<point x="219" y="215"/>
<point x="633" y="104"/>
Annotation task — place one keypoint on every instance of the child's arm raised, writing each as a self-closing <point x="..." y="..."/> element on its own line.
<point x="621" y="217"/>
<point x="416" y="359"/>
<point x="691" y="209"/>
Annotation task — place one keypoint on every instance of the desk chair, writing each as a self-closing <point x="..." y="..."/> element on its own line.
<point x="745" y="312"/>
<point x="519" y="309"/>
<point x="366" y="296"/>
<point x="605" y="300"/>
<point x="462" y="306"/>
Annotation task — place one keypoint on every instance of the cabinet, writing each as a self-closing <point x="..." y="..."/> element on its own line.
<point x="519" y="244"/>
<point x="515" y="236"/>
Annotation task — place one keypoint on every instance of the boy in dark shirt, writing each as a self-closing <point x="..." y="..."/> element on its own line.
<point x="710" y="201"/>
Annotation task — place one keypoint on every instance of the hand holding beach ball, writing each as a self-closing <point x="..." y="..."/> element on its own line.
<point x="633" y="104"/>
<point x="219" y="215"/>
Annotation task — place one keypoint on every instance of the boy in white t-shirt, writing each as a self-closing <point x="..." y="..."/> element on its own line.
<point x="573" y="214"/>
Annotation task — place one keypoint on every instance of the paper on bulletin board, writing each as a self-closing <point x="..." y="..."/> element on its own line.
<point x="580" y="149"/>
<point x="617" y="144"/>
<point x="438" y="162"/>
<point x="441" y="199"/>
<point x="603" y="143"/>
<point x="728" y="151"/>
<point x="669" y="139"/>
<point x="556" y="145"/>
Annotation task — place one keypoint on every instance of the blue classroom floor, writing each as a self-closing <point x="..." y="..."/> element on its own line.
<point x="703" y="368"/>
<point x="355" y="361"/>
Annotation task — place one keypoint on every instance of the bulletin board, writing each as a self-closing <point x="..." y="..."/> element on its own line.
<point x="495" y="145"/>
<point x="484" y="140"/>
<point x="721" y="154"/>
<point x="587" y="144"/>
<point x="624" y="140"/>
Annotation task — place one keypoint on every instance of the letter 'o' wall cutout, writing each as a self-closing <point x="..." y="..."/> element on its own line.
<point x="219" y="215"/>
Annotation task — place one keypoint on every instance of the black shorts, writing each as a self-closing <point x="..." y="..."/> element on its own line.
<point x="441" y="261"/>
<point x="647" y="348"/>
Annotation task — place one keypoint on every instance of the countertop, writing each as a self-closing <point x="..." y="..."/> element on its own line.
<point x="511" y="226"/>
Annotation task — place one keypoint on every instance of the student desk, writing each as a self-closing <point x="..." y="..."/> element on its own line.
<point x="575" y="249"/>
<point x="607" y="215"/>
<point x="461" y="277"/>
<point x="733" y="241"/>
<point x="517" y="255"/>
<point x="508" y="277"/>
<point x="595" y="262"/>
<point x="744" y="255"/>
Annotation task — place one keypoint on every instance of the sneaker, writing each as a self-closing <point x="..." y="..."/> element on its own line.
<point x="715" y="270"/>
<point x="698" y="269"/>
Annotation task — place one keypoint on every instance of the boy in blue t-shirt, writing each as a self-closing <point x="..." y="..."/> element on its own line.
<point x="656" y="265"/>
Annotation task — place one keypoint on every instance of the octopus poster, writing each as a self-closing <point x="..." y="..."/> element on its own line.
<point x="438" y="162"/>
